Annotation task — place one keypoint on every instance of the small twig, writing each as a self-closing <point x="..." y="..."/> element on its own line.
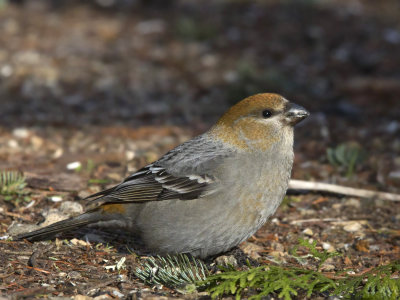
<point x="334" y="276"/>
<point x="15" y="215"/>
<point x="39" y="270"/>
<point x="20" y="253"/>
<point x="25" y="292"/>
<point x="315" y="220"/>
<point x="338" y="189"/>
<point x="5" y="276"/>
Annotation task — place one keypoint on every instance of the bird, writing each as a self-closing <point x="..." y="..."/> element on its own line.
<point x="210" y="193"/>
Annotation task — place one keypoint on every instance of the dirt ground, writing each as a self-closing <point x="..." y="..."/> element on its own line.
<point x="113" y="88"/>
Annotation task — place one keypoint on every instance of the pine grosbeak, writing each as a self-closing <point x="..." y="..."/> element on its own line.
<point x="208" y="194"/>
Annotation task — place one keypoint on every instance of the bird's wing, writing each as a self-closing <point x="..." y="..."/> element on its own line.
<point x="183" y="173"/>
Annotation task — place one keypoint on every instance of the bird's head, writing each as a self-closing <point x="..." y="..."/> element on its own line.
<point x="258" y="122"/>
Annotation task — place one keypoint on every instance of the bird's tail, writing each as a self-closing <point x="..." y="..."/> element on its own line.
<point x="58" y="227"/>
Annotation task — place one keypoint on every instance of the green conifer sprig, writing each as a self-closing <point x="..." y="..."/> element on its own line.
<point x="12" y="183"/>
<point x="172" y="271"/>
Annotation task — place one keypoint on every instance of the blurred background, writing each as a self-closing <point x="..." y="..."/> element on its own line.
<point x="96" y="76"/>
<point x="93" y="90"/>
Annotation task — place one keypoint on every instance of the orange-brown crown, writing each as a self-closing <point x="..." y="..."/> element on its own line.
<point x="238" y="126"/>
<point x="252" y="104"/>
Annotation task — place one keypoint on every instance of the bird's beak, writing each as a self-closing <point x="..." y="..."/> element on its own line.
<point x="295" y="113"/>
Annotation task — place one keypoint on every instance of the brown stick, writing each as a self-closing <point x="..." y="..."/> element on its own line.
<point x="338" y="189"/>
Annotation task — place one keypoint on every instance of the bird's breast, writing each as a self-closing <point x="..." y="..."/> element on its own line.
<point x="257" y="183"/>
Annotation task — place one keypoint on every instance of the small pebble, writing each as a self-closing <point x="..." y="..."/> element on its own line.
<point x="37" y="142"/>
<point x="20" y="133"/>
<point x="6" y="70"/>
<point x="56" y="198"/>
<point x="74" y="275"/>
<point x="74" y="165"/>
<point x="52" y="217"/>
<point x="15" y="229"/>
<point x="337" y="206"/>
<point x="327" y="267"/>
<point x="251" y="249"/>
<point x="12" y="144"/>
<point x="77" y="242"/>
<point x="83" y="194"/>
<point x="307" y="212"/>
<point x="353" y="202"/>
<point x="326" y="246"/>
<point x="117" y="294"/>
<point x="308" y="232"/>
<point x="129" y="155"/>
<point x="352" y="227"/>
<point x="71" y="208"/>
<point x="343" y="246"/>
<point x="225" y="260"/>
<point x="58" y="153"/>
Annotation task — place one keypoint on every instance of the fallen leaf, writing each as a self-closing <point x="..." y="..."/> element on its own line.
<point x="362" y="245"/>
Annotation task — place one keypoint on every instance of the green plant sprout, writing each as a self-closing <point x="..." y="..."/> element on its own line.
<point x="12" y="186"/>
<point x="346" y="156"/>
<point x="322" y="257"/>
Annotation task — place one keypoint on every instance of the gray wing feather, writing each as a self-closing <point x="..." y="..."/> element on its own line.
<point x="183" y="173"/>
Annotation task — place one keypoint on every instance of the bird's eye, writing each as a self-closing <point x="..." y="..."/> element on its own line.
<point x="266" y="113"/>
